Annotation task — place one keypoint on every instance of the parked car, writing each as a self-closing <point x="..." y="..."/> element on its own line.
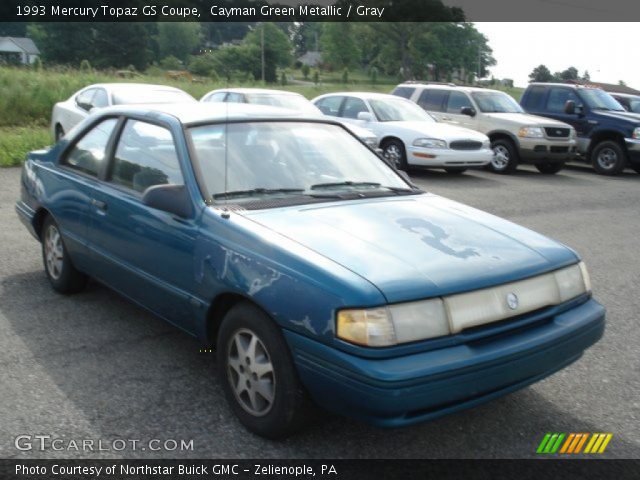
<point x="315" y="268"/>
<point x="284" y="99"/>
<point x="516" y="137"/>
<point x="608" y="136"/>
<point x="76" y="108"/>
<point x="631" y="103"/>
<point x="409" y="136"/>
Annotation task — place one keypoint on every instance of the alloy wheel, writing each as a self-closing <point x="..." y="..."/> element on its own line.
<point x="54" y="252"/>
<point x="500" y="157"/>
<point x="607" y="158"/>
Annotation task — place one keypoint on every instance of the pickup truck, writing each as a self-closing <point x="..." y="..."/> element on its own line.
<point x="608" y="136"/>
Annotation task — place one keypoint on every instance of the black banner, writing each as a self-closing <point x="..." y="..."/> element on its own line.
<point x="319" y="469"/>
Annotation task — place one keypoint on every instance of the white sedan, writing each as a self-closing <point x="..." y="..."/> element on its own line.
<point x="76" y="108"/>
<point x="283" y="99"/>
<point x="408" y="135"/>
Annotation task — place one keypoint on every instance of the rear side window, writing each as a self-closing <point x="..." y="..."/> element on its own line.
<point x="535" y="97"/>
<point x="457" y="101"/>
<point x="235" y="98"/>
<point x="216" y="97"/>
<point x="352" y="107"/>
<point x="145" y="156"/>
<point x="432" y="100"/>
<point x="330" y="105"/>
<point x="558" y="98"/>
<point x="100" y="99"/>
<point x="87" y="156"/>
<point x="84" y="99"/>
<point x="404" y="92"/>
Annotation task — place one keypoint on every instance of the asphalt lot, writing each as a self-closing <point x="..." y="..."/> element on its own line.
<point x="94" y="366"/>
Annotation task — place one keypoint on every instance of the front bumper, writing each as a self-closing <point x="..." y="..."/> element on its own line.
<point x="399" y="391"/>
<point x="445" y="157"/>
<point x="26" y="215"/>
<point x="633" y="148"/>
<point x="534" y="150"/>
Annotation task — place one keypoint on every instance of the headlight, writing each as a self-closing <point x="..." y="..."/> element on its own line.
<point x="531" y="132"/>
<point x="437" y="317"/>
<point x="393" y="324"/>
<point x="430" y="143"/>
<point x="636" y="133"/>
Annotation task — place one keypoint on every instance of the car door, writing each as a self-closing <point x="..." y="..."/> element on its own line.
<point x="433" y="100"/>
<point x="79" y="168"/>
<point x="452" y="112"/>
<point x="555" y="108"/>
<point x="145" y="253"/>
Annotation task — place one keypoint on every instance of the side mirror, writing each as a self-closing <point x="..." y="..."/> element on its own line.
<point x="468" y="111"/>
<point x="570" y="107"/>
<point x="365" y="116"/>
<point x="169" y="198"/>
<point x="85" y="105"/>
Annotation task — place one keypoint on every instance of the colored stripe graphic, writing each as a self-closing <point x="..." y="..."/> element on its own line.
<point x="574" y="442"/>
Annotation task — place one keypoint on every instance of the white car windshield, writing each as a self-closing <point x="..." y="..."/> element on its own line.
<point x="293" y="102"/>
<point x="139" y="95"/>
<point x="286" y="158"/>
<point x="398" y="110"/>
<point x="496" y="102"/>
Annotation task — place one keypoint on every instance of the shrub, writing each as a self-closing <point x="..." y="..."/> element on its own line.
<point x="85" y="66"/>
<point x="305" y="71"/>
<point x="171" y="63"/>
<point x="316" y="77"/>
<point x="283" y="78"/>
<point x="373" y="75"/>
<point x="37" y="64"/>
<point x="16" y="142"/>
<point x="345" y="76"/>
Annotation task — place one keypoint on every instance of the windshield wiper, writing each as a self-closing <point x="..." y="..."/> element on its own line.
<point x="373" y="185"/>
<point x="256" y="191"/>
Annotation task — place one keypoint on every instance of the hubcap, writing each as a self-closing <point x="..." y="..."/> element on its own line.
<point x="392" y="152"/>
<point x="500" y="157"/>
<point x="607" y="158"/>
<point x="53" y="252"/>
<point x="251" y="373"/>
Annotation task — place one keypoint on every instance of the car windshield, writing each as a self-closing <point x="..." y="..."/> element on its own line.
<point x="139" y="95"/>
<point x="254" y="160"/>
<point x="634" y="105"/>
<point x="398" y="110"/>
<point x="293" y="102"/>
<point x="496" y="102"/>
<point x="597" y="99"/>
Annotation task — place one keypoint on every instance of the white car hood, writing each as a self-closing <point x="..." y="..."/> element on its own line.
<point x="442" y="131"/>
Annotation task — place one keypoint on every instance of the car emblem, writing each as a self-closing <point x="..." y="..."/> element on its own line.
<point x="558" y="132"/>
<point x="512" y="301"/>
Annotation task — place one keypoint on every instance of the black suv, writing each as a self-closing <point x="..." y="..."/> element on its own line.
<point x="608" y="136"/>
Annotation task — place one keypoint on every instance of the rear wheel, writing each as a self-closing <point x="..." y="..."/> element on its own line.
<point x="394" y="151"/>
<point x="608" y="158"/>
<point x="505" y="156"/>
<point x="258" y="375"/>
<point x="62" y="275"/>
<point x="455" y="170"/>
<point x="550" y="168"/>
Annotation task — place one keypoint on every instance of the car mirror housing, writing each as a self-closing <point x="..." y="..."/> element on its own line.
<point x="570" y="107"/>
<point x="365" y="116"/>
<point x="169" y="198"/>
<point x="468" y="111"/>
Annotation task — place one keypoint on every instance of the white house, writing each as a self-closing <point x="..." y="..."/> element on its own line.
<point x="19" y="49"/>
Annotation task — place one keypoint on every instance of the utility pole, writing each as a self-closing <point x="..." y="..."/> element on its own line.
<point x="262" y="48"/>
<point x="479" y="63"/>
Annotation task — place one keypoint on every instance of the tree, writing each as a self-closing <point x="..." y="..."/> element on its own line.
<point x="541" y="74"/>
<point x="277" y="50"/>
<point x="178" y="39"/>
<point x="339" y="47"/>
<point x="585" y="76"/>
<point x="306" y="69"/>
<point x="570" y="73"/>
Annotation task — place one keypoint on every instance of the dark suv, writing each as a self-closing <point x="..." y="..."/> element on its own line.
<point x="608" y="136"/>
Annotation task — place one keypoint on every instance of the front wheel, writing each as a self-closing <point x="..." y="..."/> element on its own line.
<point x="394" y="151"/>
<point x="608" y="158"/>
<point x="455" y="170"/>
<point x="549" y="168"/>
<point x="505" y="156"/>
<point x="62" y="275"/>
<point x="258" y="375"/>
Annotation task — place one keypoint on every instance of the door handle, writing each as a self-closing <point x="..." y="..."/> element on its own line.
<point x="99" y="204"/>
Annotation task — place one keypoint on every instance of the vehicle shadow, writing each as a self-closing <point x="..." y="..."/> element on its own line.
<point x="129" y="375"/>
<point x="470" y="178"/>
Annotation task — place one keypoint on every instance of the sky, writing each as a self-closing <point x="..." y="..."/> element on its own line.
<point x="607" y="50"/>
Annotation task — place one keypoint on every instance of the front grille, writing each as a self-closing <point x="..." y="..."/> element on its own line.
<point x="557" y="132"/>
<point x="465" y="145"/>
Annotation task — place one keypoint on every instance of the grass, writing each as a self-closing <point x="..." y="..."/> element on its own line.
<point x="16" y="142"/>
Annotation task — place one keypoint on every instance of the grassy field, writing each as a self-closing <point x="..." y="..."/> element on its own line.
<point x="27" y="97"/>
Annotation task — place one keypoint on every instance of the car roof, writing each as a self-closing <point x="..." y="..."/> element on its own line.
<point x="623" y="95"/>
<point x="192" y="113"/>
<point x="362" y="95"/>
<point x="441" y="86"/>
<point x="560" y="84"/>
<point x="131" y="86"/>
<point x="265" y="91"/>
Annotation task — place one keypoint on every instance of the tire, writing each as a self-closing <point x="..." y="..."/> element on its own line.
<point x="550" y="168"/>
<point x="394" y="151"/>
<point x="59" y="132"/>
<point x="289" y="407"/>
<point x="608" y="158"/>
<point x="62" y="275"/>
<point x="505" y="159"/>
<point x="455" y="170"/>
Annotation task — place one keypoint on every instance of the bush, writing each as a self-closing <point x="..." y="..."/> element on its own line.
<point x="373" y="75"/>
<point x="305" y="71"/>
<point x="85" y="66"/>
<point x="16" y="142"/>
<point x="283" y="78"/>
<point x="37" y="64"/>
<point x="171" y="63"/>
<point x="202" y="65"/>
<point x="316" y="77"/>
<point x="345" y="76"/>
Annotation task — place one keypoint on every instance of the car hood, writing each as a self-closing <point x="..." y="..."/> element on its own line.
<point x="630" y="117"/>
<point x="418" y="246"/>
<point x="525" y="119"/>
<point x="441" y="131"/>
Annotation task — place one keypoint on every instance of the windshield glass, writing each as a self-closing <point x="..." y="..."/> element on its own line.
<point x="496" y="102"/>
<point x="599" y="100"/>
<point x="139" y="95"/>
<point x="634" y="105"/>
<point x="293" y="102"/>
<point x="398" y="110"/>
<point x="286" y="158"/>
